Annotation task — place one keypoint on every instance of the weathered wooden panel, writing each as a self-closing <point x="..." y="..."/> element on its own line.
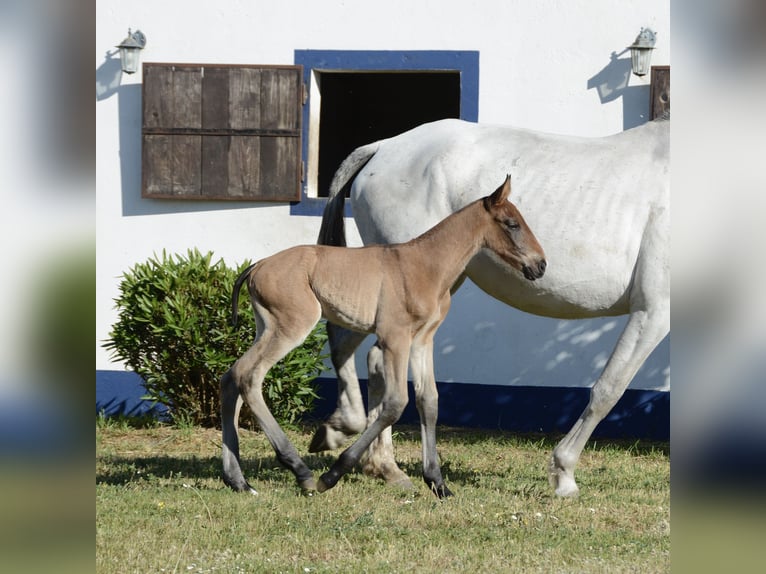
<point x="156" y="101"/>
<point x="244" y="168"/>
<point x="157" y="170"/>
<point x="215" y="117"/>
<point x="279" y="94"/>
<point x="280" y="155"/>
<point x="215" y="99"/>
<point x="280" y="161"/>
<point x="222" y="132"/>
<point x="243" y="161"/>
<point x="215" y="169"/>
<point x="245" y="98"/>
<point x="186" y="154"/>
<point x="187" y="98"/>
<point x="660" y="92"/>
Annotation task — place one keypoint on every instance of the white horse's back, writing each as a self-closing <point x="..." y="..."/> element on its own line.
<point x="588" y="200"/>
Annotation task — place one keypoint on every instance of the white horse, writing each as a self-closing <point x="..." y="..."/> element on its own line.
<point x="600" y="206"/>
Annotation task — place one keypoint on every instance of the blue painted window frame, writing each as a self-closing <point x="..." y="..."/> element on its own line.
<point x="465" y="62"/>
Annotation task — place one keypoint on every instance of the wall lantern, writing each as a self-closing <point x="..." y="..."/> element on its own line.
<point x="641" y="51"/>
<point x="130" y="48"/>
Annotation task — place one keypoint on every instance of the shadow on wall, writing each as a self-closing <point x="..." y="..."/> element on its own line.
<point x="510" y="347"/>
<point x="109" y="84"/>
<point x="612" y="83"/>
<point x="637" y="415"/>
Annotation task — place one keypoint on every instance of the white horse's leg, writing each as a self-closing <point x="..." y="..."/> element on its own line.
<point x="349" y="416"/>
<point x="648" y="324"/>
<point x="641" y="335"/>
<point x="378" y="461"/>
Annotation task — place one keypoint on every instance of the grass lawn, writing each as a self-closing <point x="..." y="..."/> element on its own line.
<point x="161" y="507"/>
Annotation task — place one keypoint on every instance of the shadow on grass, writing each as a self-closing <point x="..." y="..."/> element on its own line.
<point x="125" y="470"/>
<point x="521" y="480"/>
<point x="468" y="436"/>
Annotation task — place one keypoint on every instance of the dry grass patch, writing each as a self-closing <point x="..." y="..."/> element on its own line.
<point x="161" y="507"/>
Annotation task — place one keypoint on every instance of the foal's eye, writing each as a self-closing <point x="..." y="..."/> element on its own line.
<point x="511" y="224"/>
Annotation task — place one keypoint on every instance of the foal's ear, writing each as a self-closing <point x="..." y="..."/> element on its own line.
<point x="500" y="195"/>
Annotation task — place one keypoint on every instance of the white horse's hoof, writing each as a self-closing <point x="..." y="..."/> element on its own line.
<point x="567" y="490"/>
<point x="327" y="438"/>
<point x="563" y="483"/>
<point x="561" y="480"/>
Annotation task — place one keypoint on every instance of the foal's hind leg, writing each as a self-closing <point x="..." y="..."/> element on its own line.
<point x="231" y="402"/>
<point x="349" y="416"/>
<point x="248" y="374"/>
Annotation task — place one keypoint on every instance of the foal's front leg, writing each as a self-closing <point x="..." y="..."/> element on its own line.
<point x="395" y="356"/>
<point x="427" y="400"/>
<point x="378" y="461"/>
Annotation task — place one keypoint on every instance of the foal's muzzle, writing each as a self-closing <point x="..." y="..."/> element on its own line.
<point x="535" y="272"/>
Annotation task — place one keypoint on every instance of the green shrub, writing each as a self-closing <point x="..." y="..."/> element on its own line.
<point x="174" y="330"/>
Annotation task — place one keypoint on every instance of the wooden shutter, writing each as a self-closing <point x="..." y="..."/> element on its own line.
<point x="660" y="91"/>
<point x="222" y="132"/>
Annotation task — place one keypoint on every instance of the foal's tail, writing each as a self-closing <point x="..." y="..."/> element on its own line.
<point x="333" y="231"/>
<point x="235" y="293"/>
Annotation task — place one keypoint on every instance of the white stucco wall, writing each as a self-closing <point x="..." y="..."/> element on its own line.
<point x="540" y="66"/>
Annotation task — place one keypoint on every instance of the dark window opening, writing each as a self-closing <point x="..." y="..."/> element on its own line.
<point x="361" y="107"/>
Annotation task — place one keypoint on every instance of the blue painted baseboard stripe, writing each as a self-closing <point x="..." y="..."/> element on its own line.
<point x="639" y="414"/>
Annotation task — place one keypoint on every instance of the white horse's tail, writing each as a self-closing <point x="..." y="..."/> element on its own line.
<point x="333" y="231"/>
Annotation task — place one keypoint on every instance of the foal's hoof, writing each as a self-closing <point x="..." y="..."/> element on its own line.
<point x="442" y="491"/>
<point x="246" y="489"/>
<point x="239" y="486"/>
<point x="322" y="487"/>
<point x="328" y="480"/>
<point x="308" y="486"/>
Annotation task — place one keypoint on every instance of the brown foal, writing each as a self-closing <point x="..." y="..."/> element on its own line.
<point x="401" y="293"/>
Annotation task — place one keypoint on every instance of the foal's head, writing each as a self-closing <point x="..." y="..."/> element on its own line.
<point x="510" y="237"/>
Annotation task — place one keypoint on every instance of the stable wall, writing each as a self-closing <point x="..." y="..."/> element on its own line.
<point x="550" y="65"/>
